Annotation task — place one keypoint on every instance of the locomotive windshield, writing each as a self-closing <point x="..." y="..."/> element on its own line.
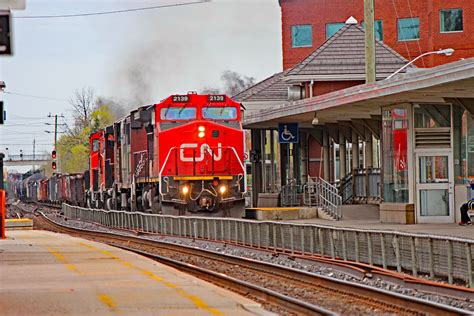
<point x="219" y="113"/>
<point x="178" y="114"/>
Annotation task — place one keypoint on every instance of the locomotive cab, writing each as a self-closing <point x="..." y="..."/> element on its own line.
<point x="200" y="153"/>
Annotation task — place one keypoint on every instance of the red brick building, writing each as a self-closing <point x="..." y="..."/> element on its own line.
<point x="411" y="27"/>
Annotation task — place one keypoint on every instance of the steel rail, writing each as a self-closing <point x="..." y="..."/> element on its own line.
<point x="378" y="296"/>
<point x="239" y="286"/>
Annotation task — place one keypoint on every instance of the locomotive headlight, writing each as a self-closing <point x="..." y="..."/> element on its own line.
<point x="185" y="190"/>
<point x="223" y="189"/>
<point x="201" y="130"/>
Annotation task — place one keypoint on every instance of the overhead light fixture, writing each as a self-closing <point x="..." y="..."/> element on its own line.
<point x="446" y="52"/>
<point x="315" y="120"/>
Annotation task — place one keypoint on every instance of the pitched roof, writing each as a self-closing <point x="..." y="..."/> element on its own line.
<point x="343" y="55"/>
<point x="270" y="89"/>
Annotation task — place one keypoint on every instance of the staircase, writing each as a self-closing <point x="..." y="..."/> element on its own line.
<point x="320" y="193"/>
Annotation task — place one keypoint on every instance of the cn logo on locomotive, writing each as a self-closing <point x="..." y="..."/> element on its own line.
<point x="202" y="152"/>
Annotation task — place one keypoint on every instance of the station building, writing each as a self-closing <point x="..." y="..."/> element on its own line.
<point x="405" y="144"/>
<point x="411" y="27"/>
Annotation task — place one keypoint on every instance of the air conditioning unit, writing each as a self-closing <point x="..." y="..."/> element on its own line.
<point x="295" y="93"/>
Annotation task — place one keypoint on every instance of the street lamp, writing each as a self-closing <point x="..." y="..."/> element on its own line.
<point x="446" y="52"/>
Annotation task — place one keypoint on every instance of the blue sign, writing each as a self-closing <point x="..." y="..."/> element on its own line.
<point x="288" y="133"/>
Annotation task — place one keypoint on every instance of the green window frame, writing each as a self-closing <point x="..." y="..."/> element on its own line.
<point x="332" y="28"/>
<point x="451" y="20"/>
<point x="302" y="35"/>
<point x="408" y="29"/>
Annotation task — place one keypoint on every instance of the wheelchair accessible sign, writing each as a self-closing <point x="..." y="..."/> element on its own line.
<point x="288" y="133"/>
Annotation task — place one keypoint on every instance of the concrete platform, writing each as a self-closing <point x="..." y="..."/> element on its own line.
<point x="453" y="230"/>
<point x="280" y="213"/>
<point x="44" y="273"/>
<point x="18" y="224"/>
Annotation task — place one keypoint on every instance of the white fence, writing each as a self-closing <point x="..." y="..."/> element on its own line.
<point x="435" y="256"/>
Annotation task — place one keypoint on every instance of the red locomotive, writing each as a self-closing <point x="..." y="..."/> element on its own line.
<point x="183" y="156"/>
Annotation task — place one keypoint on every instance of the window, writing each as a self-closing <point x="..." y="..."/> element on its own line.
<point x="332" y="28"/>
<point x="378" y="29"/>
<point x="450" y="20"/>
<point x="432" y="116"/>
<point x="178" y="114"/>
<point x="95" y="145"/>
<point x="395" y="155"/>
<point x="302" y="36"/>
<point x="408" y="29"/>
<point x="219" y="113"/>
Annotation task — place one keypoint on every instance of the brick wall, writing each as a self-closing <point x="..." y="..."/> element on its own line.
<point x="320" y="12"/>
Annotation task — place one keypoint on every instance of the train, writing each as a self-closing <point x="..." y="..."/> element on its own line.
<point x="182" y="156"/>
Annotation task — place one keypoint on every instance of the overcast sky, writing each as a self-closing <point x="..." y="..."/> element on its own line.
<point x="140" y="57"/>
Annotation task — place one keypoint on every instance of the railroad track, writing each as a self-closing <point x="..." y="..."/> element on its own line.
<point x="280" y="289"/>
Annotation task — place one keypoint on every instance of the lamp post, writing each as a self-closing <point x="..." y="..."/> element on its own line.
<point x="446" y="52"/>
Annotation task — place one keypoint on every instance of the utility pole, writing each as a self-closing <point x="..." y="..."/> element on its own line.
<point x="369" y="21"/>
<point x="55" y="152"/>
<point x="34" y="150"/>
<point x="55" y="127"/>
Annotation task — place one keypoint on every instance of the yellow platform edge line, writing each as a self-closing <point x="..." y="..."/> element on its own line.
<point x="274" y="208"/>
<point x="16" y="220"/>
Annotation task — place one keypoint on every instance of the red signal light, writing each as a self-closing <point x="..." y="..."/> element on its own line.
<point x="53" y="165"/>
<point x="53" y="154"/>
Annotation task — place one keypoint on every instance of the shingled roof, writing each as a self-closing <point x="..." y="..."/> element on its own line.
<point x="270" y="89"/>
<point x="342" y="56"/>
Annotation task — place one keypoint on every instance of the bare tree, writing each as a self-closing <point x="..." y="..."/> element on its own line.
<point x="83" y="104"/>
<point x="233" y="83"/>
<point x="118" y="107"/>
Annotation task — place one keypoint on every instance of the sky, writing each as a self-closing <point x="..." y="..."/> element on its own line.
<point x="136" y="58"/>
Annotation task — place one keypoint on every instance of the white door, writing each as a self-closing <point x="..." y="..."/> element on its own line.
<point x="434" y="187"/>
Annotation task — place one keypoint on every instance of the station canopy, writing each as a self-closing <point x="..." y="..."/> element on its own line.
<point x="451" y="83"/>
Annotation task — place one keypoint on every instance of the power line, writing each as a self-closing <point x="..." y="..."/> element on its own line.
<point x="34" y="96"/>
<point x="109" y="12"/>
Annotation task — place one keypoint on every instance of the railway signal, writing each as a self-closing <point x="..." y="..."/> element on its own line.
<point x="2" y="113"/>
<point x="5" y="33"/>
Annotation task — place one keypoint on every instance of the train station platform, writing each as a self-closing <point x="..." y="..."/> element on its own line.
<point x="451" y="229"/>
<point x="44" y="273"/>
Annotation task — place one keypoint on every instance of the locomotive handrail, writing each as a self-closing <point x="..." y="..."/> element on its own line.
<point x="243" y="169"/>
<point x="163" y="168"/>
<point x="226" y="147"/>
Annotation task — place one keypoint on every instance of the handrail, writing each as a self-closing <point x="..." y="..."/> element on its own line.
<point x="327" y="196"/>
<point x="244" y="172"/>
<point x="163" y="168"/>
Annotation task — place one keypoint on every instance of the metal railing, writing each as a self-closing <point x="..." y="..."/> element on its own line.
<point x="27" y="157"/>
<point x="434" y="256"/>
<point x="346" y="189"/>
<point x="290" y="194"/>
<point x="311" y="193"/>
<point x="367" y="184"/>
<point x="320" y="193"/>
<point x="329" y="198"/>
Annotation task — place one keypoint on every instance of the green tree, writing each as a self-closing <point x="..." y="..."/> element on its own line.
<point x="73" y="147"/>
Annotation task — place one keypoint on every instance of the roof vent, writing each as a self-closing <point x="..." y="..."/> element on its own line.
<point x="352" y="20"/>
